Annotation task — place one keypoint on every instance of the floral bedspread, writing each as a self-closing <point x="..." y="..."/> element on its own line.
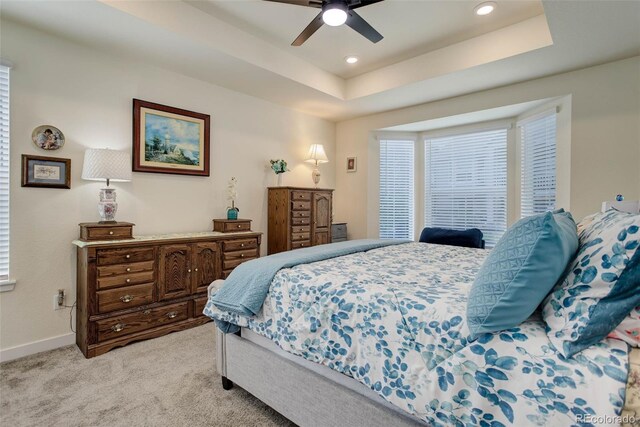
<point x="394" y="319"/>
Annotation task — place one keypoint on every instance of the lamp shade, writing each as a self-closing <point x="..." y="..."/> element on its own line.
<point x="316" y="154"/>
<point x="105" y="164"/>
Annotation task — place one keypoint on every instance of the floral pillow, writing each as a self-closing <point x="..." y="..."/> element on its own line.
<point x="602" y="285"/>
<point x="629" y="330"/>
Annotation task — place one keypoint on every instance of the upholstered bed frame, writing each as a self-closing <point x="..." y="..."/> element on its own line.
<point x="271" y="375"/>
<point x="274" y="376"/>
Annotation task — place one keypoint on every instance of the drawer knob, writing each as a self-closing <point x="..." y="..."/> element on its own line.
<point x="188" y="270"/>
<point x="128" y="280"/>
<point x="127" y="256"/>
<point x="195" y="269"/>
<point x="241" y="255"/>
<point x="128" y="269"/>
<point x="126" y="298"/>
<point x="111" y="233"/>
<point x="118" y="327"/>
<point x="172" y="314"/>
<point x="239" y="226"/>
<point x="242" y="245"/>
<point x="146" y="312"/>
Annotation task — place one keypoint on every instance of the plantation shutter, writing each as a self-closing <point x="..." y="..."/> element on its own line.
<point x="396" y="189"/>
<point x="4" y="172"/>
<point x="466" y="182"/>
<point x="538" y="164"/>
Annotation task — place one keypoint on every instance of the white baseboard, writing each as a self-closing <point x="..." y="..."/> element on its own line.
<point x="37" y="347"/>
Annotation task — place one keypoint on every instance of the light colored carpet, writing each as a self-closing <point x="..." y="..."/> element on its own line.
<point x="167" y="381"/>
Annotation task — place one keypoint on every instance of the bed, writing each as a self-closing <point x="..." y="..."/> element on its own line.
<point x="380" y="338"/>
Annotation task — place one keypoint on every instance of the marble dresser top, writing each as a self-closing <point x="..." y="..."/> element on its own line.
<point x="156" y="237"/>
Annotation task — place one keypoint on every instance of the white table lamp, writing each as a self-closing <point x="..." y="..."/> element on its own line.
<point x="107" y="165"/>
<point x="316" y="155"/>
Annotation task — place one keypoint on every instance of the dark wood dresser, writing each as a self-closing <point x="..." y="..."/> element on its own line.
<point x="298" y="218"/>
<point x="148" y="286"/>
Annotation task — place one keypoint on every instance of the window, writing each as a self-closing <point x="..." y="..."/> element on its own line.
<point x="466" y="182"/>
<point x="4" y="173"/>
<point x="396" y="189"/>
<point x="538" y="164"/>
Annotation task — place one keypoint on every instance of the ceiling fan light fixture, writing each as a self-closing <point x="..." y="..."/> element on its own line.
<point x="335" y="14"/>
<point x="351" y="59"/>
<point x="485" y="8"/>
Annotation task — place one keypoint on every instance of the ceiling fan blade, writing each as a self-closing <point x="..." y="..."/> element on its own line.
<point x="309" y="3"/>
<point x="308" y="32"/>
<point x="364" y="3"/>
<point x="358" y="23"/>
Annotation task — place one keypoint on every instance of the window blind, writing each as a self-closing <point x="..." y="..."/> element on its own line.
<point x="466" y="182"/>
<point x="396" y="189"/>
<point x="538" y="165"/>
<point x="4" y="172"/>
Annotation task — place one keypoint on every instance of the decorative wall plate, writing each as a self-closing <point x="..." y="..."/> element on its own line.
<point x="47" y="137"/>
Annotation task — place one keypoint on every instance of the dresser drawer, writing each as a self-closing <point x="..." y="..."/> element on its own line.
<point x="226" y="273"/>
<point x="300" y="206"/>
<point x="198" y="306"/>
<point x="113" y="233"/>
<point x="98" y="231"/>
<point x="300" y="244"/>
<point x="240" y="244"/>
<point x="301" y="214"/>
<point x="125" y="280"/>
<point x="122" y="298"/>
<point x="114" y="270"/>
<point x="129" y="323"/>
<point x="237" y="226"/>
<point x="301" y="221"/>
<point x="124" y="255"/>
<point x="300" y="229"/>
<point x="300" y="195"/>
<point x="247" y="253"/>
<point x="234" y="259"/>
<point x="229" y="226"/>
<point x="300" y="236"/>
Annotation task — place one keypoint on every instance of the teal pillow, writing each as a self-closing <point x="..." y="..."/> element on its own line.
<point x="526" y="263"/>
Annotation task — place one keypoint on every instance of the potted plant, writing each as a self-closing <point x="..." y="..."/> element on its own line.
<point x="232" y="194"/>
<point x="279" y="166"/>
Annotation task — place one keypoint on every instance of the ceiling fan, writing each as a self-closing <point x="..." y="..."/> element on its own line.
<point x="335" y="13"/>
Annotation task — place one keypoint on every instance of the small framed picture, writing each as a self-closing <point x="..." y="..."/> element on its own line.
<point x="47" y="172"/>
<point x="47" y="137"/>
<point x="352" y="164"/>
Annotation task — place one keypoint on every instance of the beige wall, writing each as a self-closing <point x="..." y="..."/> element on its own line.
<point x="604" y="149"/>
<point x="88" y="96"/>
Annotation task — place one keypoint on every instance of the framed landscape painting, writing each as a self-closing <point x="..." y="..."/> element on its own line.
<point x="169" y="140"/>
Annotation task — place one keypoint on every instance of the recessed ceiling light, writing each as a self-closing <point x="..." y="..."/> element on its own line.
<point x="351" y="59"/>
<point x="485" y="8"/>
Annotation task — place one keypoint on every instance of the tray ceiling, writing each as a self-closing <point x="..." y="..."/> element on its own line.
<point x="431" y="50"/>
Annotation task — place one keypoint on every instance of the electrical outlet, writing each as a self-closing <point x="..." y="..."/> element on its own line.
<point x="58" y="300"/>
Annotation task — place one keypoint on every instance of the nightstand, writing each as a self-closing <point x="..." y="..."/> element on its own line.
<point x="339" y="232"/>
